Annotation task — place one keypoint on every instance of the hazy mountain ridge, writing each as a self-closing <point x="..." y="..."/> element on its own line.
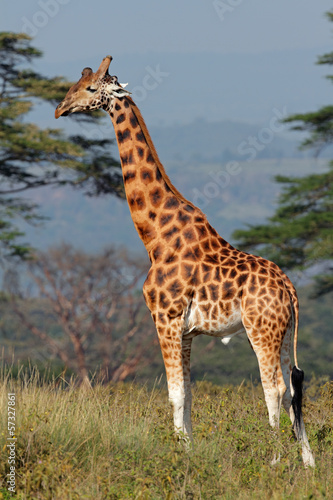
<point x="247" y="195"/>
<point x="203" y="141"/>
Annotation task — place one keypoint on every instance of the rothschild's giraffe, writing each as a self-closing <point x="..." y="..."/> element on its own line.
<point x="197" y="283"/>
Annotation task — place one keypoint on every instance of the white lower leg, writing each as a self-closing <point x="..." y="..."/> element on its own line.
<point x="301" y="436"/>
<point x="307" y="456"/>
<point x="177" y="398"/>
<point x="273" y="402"/>
<point x="272" y="398"/>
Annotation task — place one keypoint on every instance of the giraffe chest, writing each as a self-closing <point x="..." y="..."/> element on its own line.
<point x="215" y="319"/>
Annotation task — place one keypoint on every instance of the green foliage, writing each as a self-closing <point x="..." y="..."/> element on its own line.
<point x="31" y="157"/>
<point x="116" y="441"/>
<point x="98" y="173"/>
<point x="318" y="124"/>
<point x="299" y="234"/>
<point x="300" y="231"/>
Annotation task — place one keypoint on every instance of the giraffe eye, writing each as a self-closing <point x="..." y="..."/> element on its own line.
<point x="90" y="89"/>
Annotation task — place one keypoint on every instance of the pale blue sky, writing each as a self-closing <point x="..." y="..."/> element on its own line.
<point x="65" y="29"/>
<point x="251" y="56"/>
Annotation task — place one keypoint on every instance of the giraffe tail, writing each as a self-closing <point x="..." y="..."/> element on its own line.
<point x="295" y="311"/>
<point x="297" y="375"/>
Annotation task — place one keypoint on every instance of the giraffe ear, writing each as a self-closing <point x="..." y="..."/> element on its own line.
<point x="104" y="66"/>
<point x="86" y="71"/>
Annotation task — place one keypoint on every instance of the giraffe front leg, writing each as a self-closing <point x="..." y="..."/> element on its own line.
<point x="178" y="385"/>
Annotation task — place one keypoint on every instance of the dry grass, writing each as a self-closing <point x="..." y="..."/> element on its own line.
<point x="115" y="442"/>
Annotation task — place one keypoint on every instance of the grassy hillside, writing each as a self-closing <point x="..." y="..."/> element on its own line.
<point x="116" y="442"/>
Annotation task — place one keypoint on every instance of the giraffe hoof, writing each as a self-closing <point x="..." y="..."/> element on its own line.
<point x="308" y="460"/>
<point x="185" y="440"/>
<point x="276" y="459"/>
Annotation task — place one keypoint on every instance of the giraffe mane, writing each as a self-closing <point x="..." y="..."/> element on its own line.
<point x="150" y="143"/>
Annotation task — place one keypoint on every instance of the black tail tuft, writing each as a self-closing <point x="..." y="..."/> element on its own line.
<point x="297" y="377"/>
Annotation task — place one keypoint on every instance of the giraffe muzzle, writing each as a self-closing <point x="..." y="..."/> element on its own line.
<point x="65" y="109"/>
<point x="61" y="110"/>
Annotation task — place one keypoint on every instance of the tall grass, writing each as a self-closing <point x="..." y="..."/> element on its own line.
<point x="116" y="442"/>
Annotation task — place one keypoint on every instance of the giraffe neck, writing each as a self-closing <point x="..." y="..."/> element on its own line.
<point x="151" y="196"/>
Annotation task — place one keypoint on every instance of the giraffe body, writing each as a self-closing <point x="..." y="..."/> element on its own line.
<point x="197" y="283"/>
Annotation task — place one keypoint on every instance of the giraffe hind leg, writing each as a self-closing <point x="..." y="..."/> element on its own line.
<point x="274" y="387"/>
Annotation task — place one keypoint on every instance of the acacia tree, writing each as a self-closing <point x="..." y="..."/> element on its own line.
<point x="94" y="301"/>
<point x="300" y="233"/>
<point x="32" y="157"/>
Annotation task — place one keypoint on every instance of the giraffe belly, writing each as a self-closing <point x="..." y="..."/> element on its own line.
<point x="199" y="320"/>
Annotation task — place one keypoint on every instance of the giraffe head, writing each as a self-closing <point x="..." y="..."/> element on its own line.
<point x="92" y="91"/>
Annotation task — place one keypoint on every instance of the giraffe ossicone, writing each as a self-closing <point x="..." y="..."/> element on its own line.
<point x="197" y="283"/>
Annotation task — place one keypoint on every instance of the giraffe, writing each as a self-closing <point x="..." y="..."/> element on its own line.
<point x="197" y="283"/>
